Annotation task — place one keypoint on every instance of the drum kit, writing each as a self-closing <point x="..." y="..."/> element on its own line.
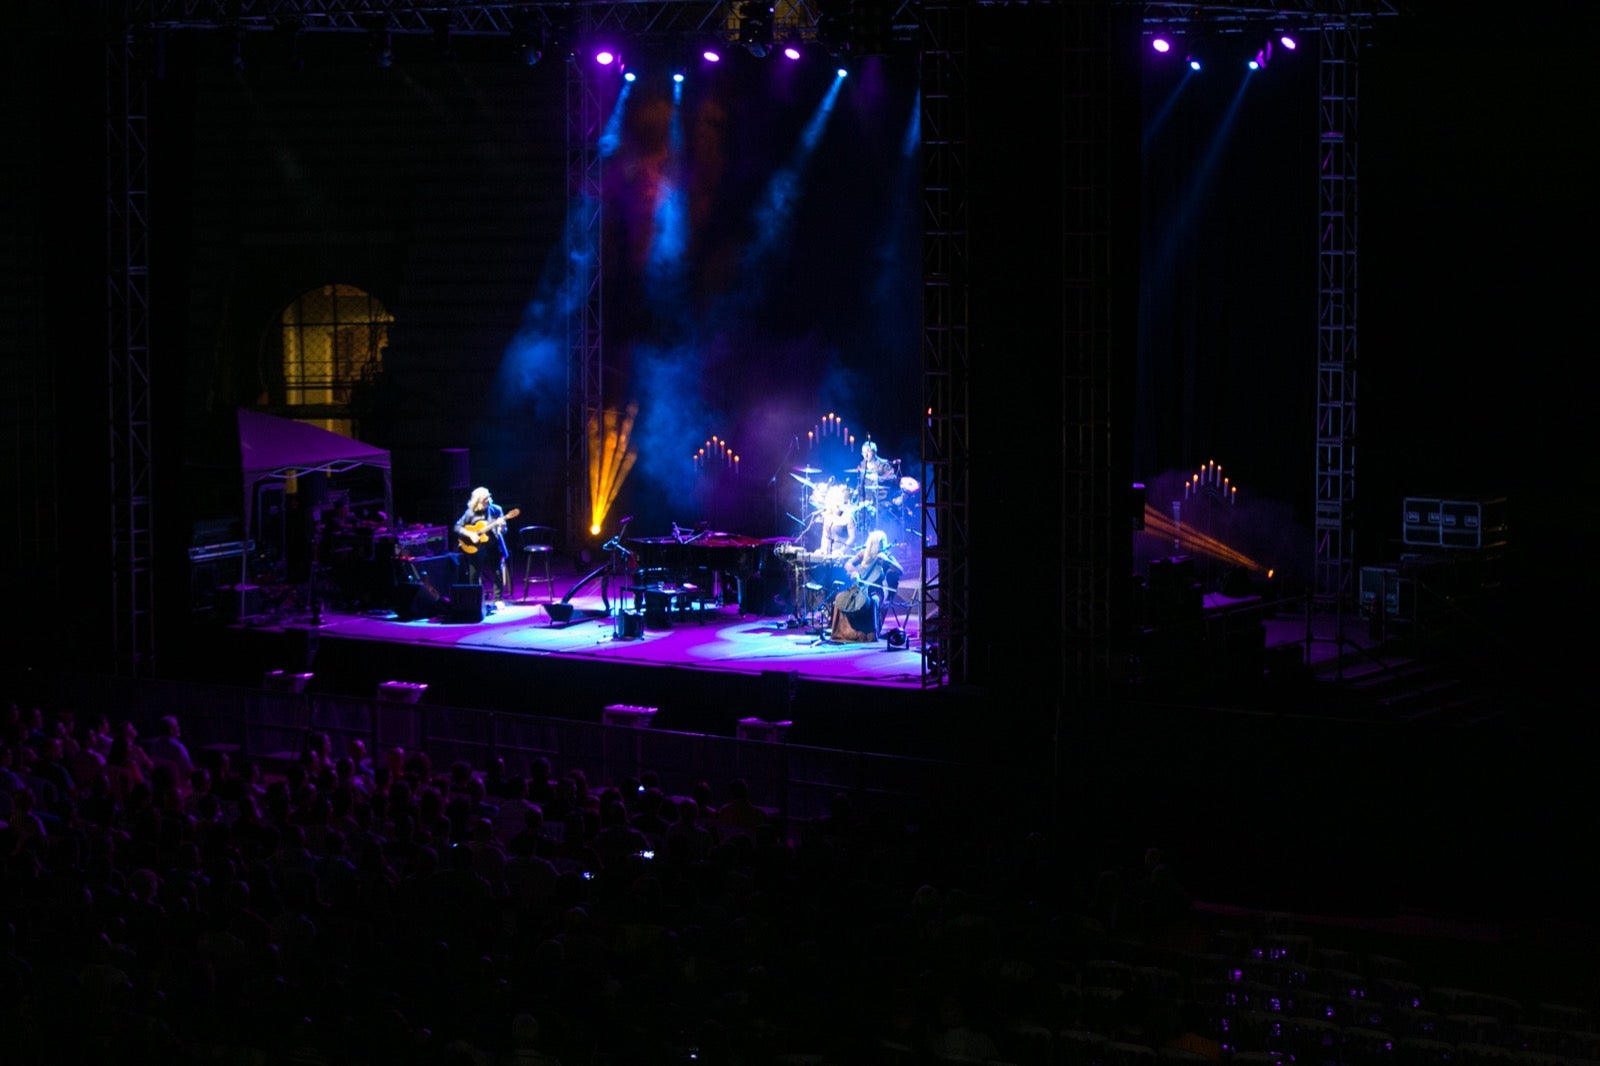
<point x="866" y="500"/>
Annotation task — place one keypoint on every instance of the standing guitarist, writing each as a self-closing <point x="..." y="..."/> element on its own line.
<point x="480" y="534"/>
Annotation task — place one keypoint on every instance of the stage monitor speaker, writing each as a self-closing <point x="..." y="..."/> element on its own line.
<point x="414" y="599"/>
<point x="466" y="604"/>
<point x="630" y="625"/>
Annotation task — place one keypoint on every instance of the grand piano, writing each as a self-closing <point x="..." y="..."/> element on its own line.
<point x="723" y="567"/>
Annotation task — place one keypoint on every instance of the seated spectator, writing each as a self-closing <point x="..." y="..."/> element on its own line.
<point x="168" y="747"/>
<point x="648" y="818"/>
<point x="618" y="841"/>
<point x="686" y="837"/>
<point x="86" y="764"/>
<point x="122" y="770"/>
<point x="737" y="815"/>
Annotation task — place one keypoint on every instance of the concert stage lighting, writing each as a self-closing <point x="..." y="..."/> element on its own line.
<point x="379" y="41"/>
<point x="442" y="24"/>
<point x="833" y="26"/>
<point x="755" y="27"/>
<point x="791" y="52"/>
<point x="605" y="57"/>
<point x="711" y="55"/>
<point x="1162" y="45"/>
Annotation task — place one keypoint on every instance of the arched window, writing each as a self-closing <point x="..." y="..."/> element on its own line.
<point x="333" y="340"/>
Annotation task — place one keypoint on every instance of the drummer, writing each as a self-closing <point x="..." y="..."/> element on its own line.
<point x="877" y="475"/>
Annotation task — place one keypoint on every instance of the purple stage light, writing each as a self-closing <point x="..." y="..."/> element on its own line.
<point x="605" y="57"/>
<point x="1162" y="45"/>
<point x="711" y="55"/>
<point x="791" y="52"/>
<point x="1288" y="42"/>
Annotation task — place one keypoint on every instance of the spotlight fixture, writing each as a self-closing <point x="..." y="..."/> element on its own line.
<point x="378" y="40"/>
<point x="527" y="39"/>
<point x="1288" y="41"/>
<point x="871" y="27"/>
<point x="441" y="24"/>
<point x="289" y="35"/>
<point x="791" y="51"/>
<point x="1194" y="63"/>
<point x="833" y="26"/>
<point x="755" y="27"/>
<point x="605" y="57"/>
<point x="1161" y="44"/>
<point x="711" y="55"/>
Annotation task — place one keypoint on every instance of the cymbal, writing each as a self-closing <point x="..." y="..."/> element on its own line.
<point x="807" y="482"/>
<point x="807" y="469"/>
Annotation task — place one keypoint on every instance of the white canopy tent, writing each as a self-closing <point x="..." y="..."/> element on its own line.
<point x="273" y="449"/>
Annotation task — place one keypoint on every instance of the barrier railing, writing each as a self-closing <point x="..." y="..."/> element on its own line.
<point x="270" y="727"/>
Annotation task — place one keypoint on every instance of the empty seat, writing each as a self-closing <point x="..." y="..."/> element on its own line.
<point x="535" y="545"/>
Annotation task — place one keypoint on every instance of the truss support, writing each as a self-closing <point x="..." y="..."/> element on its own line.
<point x="946" y="373"/>
<point x="1088" y="509"/>
<point x="1337" y="291"/>
<point x="133" y="644"/>
<point x="585" y="363"/>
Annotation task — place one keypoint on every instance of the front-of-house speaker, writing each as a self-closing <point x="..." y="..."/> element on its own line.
<point x="466" y="604"/>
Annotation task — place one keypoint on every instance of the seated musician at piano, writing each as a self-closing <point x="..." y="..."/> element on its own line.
<point x="480" y="536"/>
<point x="874" y="573"/>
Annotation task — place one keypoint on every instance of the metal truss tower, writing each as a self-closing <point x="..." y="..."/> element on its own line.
<point x="128" y="358"/>
<point x="1337" y="292"/>
<point x="586" y="354"/>
<point x="946" y="374"/>
<point x="1088" y="507"/>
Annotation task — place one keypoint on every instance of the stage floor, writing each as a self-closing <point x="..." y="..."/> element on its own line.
<point x="705" y="637"/>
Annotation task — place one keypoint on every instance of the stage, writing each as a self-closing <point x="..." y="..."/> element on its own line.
<point x="698" y="636"/>
<point x="705" y="664"/>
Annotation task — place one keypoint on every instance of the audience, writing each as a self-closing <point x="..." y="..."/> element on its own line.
<point x="400" y="915"/>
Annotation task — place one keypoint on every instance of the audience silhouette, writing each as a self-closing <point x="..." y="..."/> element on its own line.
<point x="348" y="913"/>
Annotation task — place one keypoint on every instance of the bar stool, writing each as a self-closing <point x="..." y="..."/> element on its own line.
<point x="533" y="542"/>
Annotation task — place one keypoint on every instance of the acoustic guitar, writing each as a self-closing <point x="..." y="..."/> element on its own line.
<point x="473" y="536"/>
